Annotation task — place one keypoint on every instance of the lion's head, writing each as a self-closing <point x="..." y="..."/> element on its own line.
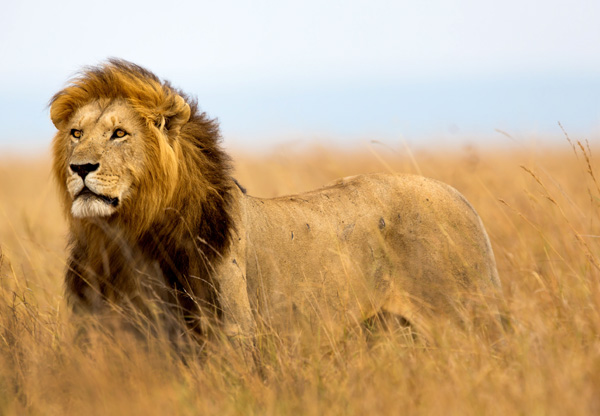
<point x="129" y="144"/>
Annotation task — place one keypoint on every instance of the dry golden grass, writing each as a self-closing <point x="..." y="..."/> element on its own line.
<point x="541" y="211"/>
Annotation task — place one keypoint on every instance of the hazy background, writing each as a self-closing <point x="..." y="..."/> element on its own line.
<point x="275" y="72"/>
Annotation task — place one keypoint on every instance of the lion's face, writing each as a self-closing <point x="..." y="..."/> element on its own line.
<point x="104" y="157"/>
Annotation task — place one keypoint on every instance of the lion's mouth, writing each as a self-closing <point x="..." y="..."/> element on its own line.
<point x="87" y="193"/>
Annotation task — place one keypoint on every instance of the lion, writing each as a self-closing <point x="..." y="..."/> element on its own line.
<point x="155" y="214"/>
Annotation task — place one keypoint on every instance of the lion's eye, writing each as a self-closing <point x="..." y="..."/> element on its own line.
<point x="76" y="133"/>
<point x="118" y="134"/>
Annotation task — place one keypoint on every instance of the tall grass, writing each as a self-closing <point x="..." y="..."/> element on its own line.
<point x="540" y="207"/>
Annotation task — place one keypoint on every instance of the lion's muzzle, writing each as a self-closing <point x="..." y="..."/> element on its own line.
<point x="91" y="196"/>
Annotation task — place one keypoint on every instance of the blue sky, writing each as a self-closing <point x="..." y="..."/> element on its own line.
<point x="275" y="71"/>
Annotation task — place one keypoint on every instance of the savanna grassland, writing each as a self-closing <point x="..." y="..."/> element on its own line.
<point x="540" y="205"/>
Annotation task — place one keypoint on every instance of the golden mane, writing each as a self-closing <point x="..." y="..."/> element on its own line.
<point x="154" y="100"/>
<point x="182" y="201"/>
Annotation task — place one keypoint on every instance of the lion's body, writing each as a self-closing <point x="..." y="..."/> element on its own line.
<point x="155" y="215"/>
<point x="403" y="244"/>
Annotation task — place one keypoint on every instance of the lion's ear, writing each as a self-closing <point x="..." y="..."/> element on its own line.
<point x="178" y="115"/>
<point x="60" y="111"/>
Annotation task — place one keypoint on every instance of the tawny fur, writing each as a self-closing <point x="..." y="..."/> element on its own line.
<point x="184" y="231"/>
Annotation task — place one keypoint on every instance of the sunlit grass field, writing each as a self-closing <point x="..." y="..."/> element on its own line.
<point x="540" y="205"/>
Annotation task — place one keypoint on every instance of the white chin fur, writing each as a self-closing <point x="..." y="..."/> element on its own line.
<point x="91" y="207"/>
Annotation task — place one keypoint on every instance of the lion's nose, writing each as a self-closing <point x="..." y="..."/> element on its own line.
<point x="83" y="170"/>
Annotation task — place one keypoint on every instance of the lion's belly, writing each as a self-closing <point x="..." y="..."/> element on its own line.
<point x="339" y="254"/>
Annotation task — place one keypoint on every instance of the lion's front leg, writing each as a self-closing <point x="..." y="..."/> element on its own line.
<point x="238" y="321"/>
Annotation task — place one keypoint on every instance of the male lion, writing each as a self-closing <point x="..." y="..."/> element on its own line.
<point x="154" y="214"/>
